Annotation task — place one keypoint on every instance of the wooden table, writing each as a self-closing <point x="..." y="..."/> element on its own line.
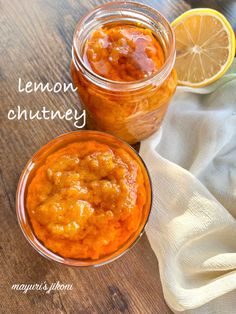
<point x="35" y="45"/>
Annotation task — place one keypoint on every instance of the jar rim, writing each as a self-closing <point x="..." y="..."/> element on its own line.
<point x="156" y="78"/>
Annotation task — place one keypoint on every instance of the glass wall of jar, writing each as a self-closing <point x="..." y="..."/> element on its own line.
<point x="129" y="109"/>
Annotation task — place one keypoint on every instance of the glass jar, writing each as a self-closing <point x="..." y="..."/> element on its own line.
<point x="36" y="163"/>
<point x="130" y="110"/>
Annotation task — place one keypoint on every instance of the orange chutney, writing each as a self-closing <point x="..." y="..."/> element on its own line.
<point x="114" y="59"/>
<point x="86" y="199"/>
<point x="123" y="53"/>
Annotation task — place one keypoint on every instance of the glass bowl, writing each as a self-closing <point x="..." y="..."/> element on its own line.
<point x="39" y="158"/>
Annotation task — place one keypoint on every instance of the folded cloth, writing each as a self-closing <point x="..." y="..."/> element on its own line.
<point x="192" y="226"/>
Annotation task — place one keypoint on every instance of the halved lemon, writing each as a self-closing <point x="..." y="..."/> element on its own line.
<point x="205" y="46"/>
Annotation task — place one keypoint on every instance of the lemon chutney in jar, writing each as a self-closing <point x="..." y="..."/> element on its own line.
<point x="122" y="64"/>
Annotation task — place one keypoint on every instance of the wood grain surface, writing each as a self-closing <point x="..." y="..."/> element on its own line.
<point x="35" y="45"/>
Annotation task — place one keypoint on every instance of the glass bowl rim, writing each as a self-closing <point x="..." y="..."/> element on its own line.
<point x="21" y="211"/>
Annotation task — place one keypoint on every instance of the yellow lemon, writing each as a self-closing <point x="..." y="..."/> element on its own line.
<point x="205" y="46"/>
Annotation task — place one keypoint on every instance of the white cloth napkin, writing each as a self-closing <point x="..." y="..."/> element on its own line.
<point x="192" y="227"/>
